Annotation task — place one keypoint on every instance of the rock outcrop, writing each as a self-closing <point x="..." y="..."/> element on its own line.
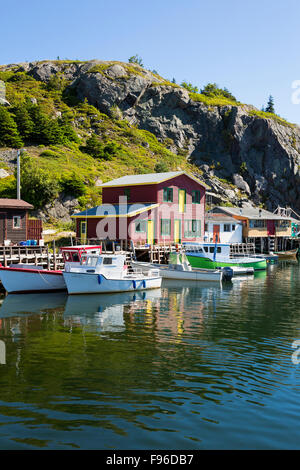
<point x="259" y="156"/>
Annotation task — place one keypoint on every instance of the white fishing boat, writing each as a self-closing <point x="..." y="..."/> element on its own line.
<point x="99" y="274"/>
<point x="180" y="268"/>
<point x="30" y="278"/>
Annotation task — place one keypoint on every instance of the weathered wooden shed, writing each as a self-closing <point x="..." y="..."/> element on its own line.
<point x="15" y="224"/>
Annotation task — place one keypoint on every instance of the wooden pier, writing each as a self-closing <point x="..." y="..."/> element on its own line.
<point x="31" y="255"/>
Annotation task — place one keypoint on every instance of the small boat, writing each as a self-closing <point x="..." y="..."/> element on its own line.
<point x="217" y="255"/>
<point x="99" y="274"/>
<point x="180" y="268"/>
<point x="239" y="270"/>
<point x="23" y="278"/>
<point x="290" y="254"/>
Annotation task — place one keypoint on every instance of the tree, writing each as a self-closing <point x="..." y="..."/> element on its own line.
<point x="24" y="121"/>
<point x="212" y="90"/>
<point x="190" y="87"/>
<point x="135" y="59"/>
<point x="38" y="188"/>
<point x="9" y="135"/>
<point x="270" y="105"/>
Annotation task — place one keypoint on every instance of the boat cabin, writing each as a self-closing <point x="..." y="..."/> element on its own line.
<point x="73" y="254"/>
<point x="209" y="250"/>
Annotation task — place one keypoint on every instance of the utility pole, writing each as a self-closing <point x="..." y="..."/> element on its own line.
<point x="18" y="176"/>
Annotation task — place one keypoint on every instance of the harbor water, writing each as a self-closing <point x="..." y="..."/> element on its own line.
<point x="187" y="366"/>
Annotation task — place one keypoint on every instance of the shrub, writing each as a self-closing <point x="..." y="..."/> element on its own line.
<point x="37" y="186"/>
<point x="103" y="151"/>
<point x="161" y="167"/>
<point x="73" y="185"/>
<point x="191" y="88"/>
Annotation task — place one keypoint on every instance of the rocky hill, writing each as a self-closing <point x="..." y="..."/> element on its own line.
<point x="144" y="121"/>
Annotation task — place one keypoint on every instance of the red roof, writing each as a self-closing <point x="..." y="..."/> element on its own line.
<point x="14" y="204"/>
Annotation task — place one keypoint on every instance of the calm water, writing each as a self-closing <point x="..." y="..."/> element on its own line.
<point x="184" y="367"/>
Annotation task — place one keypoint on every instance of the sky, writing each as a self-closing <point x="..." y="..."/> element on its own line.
<point x="250" y="47"/>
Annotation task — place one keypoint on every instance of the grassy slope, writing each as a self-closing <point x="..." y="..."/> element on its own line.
<point x="139" y="150"/>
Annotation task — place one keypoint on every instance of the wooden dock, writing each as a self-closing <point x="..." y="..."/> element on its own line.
<point x="31" y="255"/>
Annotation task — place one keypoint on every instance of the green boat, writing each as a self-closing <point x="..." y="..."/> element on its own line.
<point x="217" y="255"/>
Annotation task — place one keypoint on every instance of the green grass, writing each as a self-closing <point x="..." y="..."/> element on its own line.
<point x="274" y="117"/>
<point x="213" y="101"/>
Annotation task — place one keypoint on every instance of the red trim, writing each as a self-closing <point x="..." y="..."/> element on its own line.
<point x="35" y="271"/>
<point x="80" y="248"/>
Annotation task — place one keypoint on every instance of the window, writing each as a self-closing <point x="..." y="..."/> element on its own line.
<point x="91" y="261"/>
<point x="165" y="227"/>
<point x="257" y="223"/>
<point x="212" y="249"/>
<point x="192" y="228"/>
<point x="16" y="221"/>
<point x="83" y="228"/>
<point x="233" y="228"/>
<point x="168" y="195"/>
<point x="206" y="228"/>
<point x="140" y="226"/>
<point x="196" y="197"/>
<point x="127" y="193"/>
<point x="107" y="261"/>
<point x="227" y="228"/>
<point x="282" y="223"/>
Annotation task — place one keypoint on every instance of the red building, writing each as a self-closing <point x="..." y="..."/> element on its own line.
<point x="149" y="208"/>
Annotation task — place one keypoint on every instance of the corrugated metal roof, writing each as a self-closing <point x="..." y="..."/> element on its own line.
<point x="220" y="218"/>
<point x="14" y="204"/>
<point x="252" y="213"/>
<point x="111" y="210"/>
<point x="148" y="178"/>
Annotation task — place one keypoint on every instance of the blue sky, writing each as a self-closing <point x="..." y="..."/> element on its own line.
<point x="250" y="47"/>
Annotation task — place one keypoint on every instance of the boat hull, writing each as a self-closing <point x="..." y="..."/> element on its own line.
<point x="291" y="254"/>
<point x="84" y="283"/>
<point x="196" y="275"/>
<point x="31" y="280"/>
<point x="206" y="263"/>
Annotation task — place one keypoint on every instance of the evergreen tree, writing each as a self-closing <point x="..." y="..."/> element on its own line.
<point x="24" y="121"/>
<point x="270" y="105"/>
<point x="190" y="87"/>
<point x="9" y="135"/>
<point x="135" y="59"/>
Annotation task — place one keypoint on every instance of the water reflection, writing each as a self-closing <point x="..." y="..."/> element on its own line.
<point x="185" y="366"/>
<point x="106" y="311"/>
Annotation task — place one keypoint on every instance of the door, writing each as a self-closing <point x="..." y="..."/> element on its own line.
<point x="181" y="200"/>
<point x="177" y="237"/>
<point x="83" y="232"/>
<point x="271" y="227"/>
<point x="216" y="233"/>
<point x="150" y="227"/>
